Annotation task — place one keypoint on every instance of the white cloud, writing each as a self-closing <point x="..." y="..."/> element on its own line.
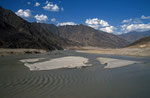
<point x="135" y="24"/>
<point x="109" y="29"/>
<point x="23" y="13"/>
<point x="127" y="21"/>
<point x="28" y="3"/>
<point x="100" y="25"/>
<point x="37" y="4"/>
<point x="145" y="17"/>
<point x="135" y="27"/>
<point x="51" y="7"/>
<point x="130" y="21"/>
<point x="41" y="18"/>
<point x="53" y="19"/>
<point x="96" y="23"/>
<point x="104" y="23"/>
<point x="66" y="23"/>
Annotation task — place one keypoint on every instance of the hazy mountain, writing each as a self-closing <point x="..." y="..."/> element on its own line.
<point x="134" y="35"/>
<point x="91" y="37"/>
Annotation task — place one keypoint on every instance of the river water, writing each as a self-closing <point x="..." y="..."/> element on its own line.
<point x="17" y="81"/>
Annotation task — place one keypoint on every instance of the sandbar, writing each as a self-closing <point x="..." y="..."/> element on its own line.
<point x="115" y="63"/>
<point x="57" y="63"/>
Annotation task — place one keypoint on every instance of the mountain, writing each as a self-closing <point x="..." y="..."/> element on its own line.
<point x="91" y="37"/>
<point x="16" y="32"/>
<point x="47" y="27"/>
<point x="141" y="43"/>
<point x="134" y="35"/>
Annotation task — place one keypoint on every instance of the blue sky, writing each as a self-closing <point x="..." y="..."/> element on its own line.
<point x="112" y="16"/>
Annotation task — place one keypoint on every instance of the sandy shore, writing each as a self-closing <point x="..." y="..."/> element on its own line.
<point x="63" y="62"/>
<point x="122" y="51"/>
<point x="115" y="63"/>
<point x="4" y="52"/>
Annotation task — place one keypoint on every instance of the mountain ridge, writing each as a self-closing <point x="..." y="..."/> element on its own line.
<point x="91" y="37"/>
<point x="19" y="33"/>
<point x="27" y="35"/>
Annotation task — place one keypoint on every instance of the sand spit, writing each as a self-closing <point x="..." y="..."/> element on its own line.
<point x="115" y="63"/>
<point x="63" y="62"/>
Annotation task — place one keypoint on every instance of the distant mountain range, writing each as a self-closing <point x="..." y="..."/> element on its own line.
<point x="16" y="32"/>
<point x="134" y="35"/>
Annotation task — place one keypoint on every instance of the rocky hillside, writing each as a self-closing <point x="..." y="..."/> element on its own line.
<point x="134" y="35"/>
<point x="15" y="32"/>
<point x="141" y="43"/>
<point x="91" y="37"/>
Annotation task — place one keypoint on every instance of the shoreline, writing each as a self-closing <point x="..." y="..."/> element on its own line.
<point x="138" y="52"/>
<point x="21" y="51"/>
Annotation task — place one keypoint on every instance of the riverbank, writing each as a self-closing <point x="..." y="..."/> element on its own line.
<point x="5" y="52"/>
<point x="143" y="52"/>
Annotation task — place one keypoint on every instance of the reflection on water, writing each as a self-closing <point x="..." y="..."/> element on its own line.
<point x="16" y="81"/>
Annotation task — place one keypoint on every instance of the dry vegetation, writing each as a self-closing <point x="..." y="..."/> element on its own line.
<point x="130" y="51"/>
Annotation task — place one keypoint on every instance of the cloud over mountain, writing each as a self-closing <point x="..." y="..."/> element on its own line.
<point x="95" y="23"/>
<point x="66" y="23"/>
<point x="109" y="29"/>
<point x="23" y="13"/>
<point x="100" y="25"/>
<point x="41" y="18"/>
<point x="136" y="24"/>
<point x="115" y="26"/>
<point x="135" y="27"/>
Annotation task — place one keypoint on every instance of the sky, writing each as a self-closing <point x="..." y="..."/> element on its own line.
<point x="112" y="16"/>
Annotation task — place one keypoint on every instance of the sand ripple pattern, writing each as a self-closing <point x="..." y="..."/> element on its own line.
<point x="46" y="83"/>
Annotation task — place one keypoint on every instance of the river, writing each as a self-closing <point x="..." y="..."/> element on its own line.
<point x="17" y="81"/>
